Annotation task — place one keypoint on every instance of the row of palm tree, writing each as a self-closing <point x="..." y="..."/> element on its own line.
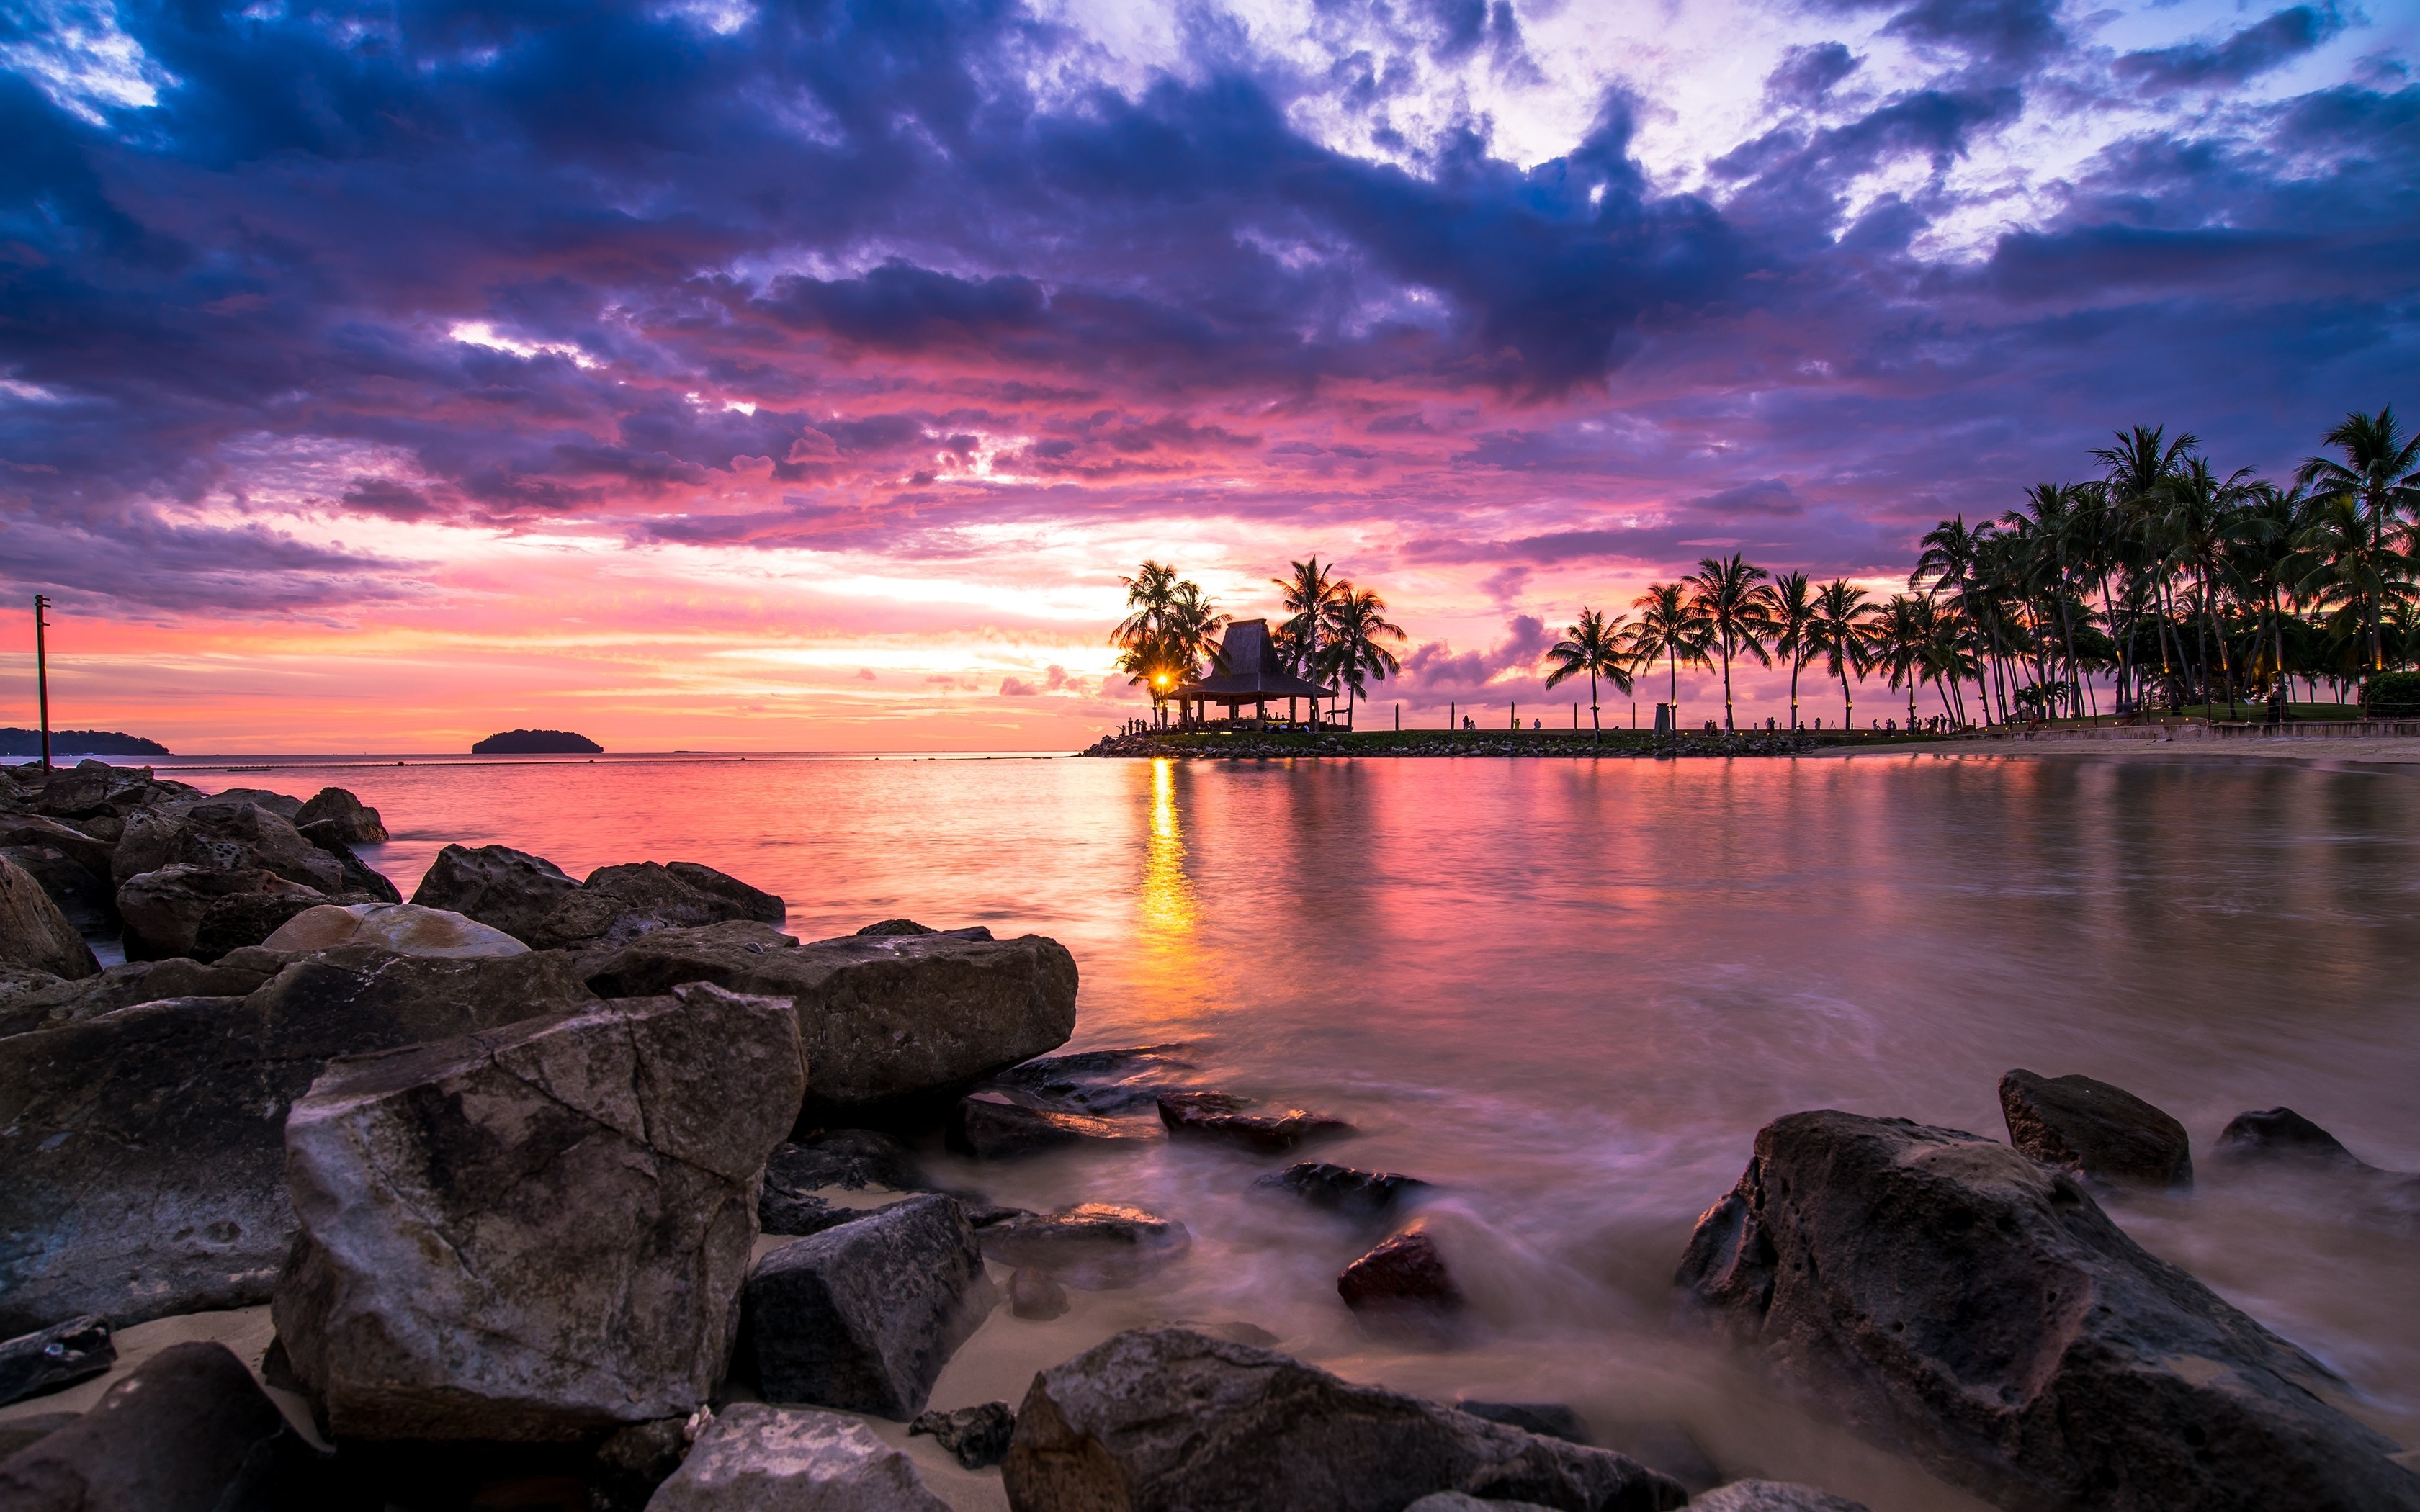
<point x="1336" y="634"/>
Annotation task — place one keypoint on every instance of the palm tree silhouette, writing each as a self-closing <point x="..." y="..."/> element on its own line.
<point x="1844" y="636"/>
<point x="2380" y="473"/>
<point x="1594" y="645"/>
<point x="1904" y="638"/>
<point x="1173" y="626"/>
<point x="1355" y="624"/>
<point x="1723" y="592"/>
<point x="1670" y="626"/>
<point x="1789" y="605"/>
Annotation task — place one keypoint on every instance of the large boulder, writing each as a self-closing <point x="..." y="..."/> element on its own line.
<point x="38" y="1000"/>
<point x="1772" y="1496"/>
<point x="348" y="819"/>
<point x="2094" y="1129"/>
<point x="864" y="1316"/>
<point x="404" y="927"/>
<point x="142" y="1158"/>
<point x="90" y="854"/>
<point x="86" y="898"/>
<point x="359" y="877"/>
<point x="246" y="918"/>
<point x="577" y="1194"/>
<point x="1945" y="1293"/>
<point x="757" y="1458"/>
<point x="1168" y="1420"/>
<point x="221" y="834"/>
<point x="187" y="1430"/>
<point x="1404" y="1274"/>
<point x="164" y="910"/>
<point x="496" y="885"/>
<point x="532" y="900"/>
<point x="889" y="1022"/>
<point x="33" y="932"/>
<point x="751" y="902"/>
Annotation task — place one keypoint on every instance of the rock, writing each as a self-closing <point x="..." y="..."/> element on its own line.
<point x="759" y="1459"/>
<point x="33" y="932"/>
<point x="87" y="900"/>
<point x="864" y="1316"/>
<point x="359" y="877"/>
<point x="19" y="1432"/>
<point x="1175" y="1421"/>
<point x="142" y="1154"/>
<point x="222" y="835"/>
<point x="84" y="790"/>
<point x="242" y="919"/>
<point x="1668" y="1445"/>
<point x="2282" y="1135"/>
<point x="1948" y="1295"/>
<point x="1343" y="1189"/>
<point x="42" y="1001"/>
<point x="285" y="806"/>
<point x="2094" y="1129"/>
<point x="1219" y="1116"/>
<point x="896" y="926"/>
<point x="1773" y="1496"/>
<point x="352" y="823"/>
<point x="1405" y="1274"/>
<point x="163" y="909"/>
<point x="187" y="1430"/>
<point x="1094" y="1247"/>
<point x="1552" y="1420"/>
<point x="88" y="854"/>
<point x="1457" y="1501"/>
<point x="576" y="1191"/>
<point x="851" y="1159"/>
<point x="978" y="1436"/>
<point x="35" y="1364"/>
<point x="531" y="899"/>
<point x="752" y="903"/>
<point x="1125" y="1080"/>
<point x="27" y="998"/>
<point x="406" y="929"/>
<point x="890" y="1022"/>
<point x="994" y="1126"/>
<point x="799" y="1213"/>
<point x="1033" y="1296"/>
<point x="634" y="1461"/>
<point x="508" y="890"/>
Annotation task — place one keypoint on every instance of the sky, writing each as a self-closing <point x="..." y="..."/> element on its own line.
<point x="763" y="376"/>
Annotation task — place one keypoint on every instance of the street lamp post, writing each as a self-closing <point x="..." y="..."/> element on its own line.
<point x="43" y="675"/>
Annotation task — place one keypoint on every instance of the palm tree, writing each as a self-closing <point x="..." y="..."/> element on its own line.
<point x="1355" y="624"/>
<point x="1955" y="560"/>
<point x="1670" y="626"/>
<point x="1904" y="638"/>
<point x="2345" y="566"/>
<point x="1844" y="636"/>
<point x="1723" y="592"/>
<point x="1789" y="605"/>
<point x="1596" y="647"/>
<point x="1307" y="595"/>
<point x="2136" y="473"/>
<point x="2380" y="473"/>
<point x="1142" y="637"/>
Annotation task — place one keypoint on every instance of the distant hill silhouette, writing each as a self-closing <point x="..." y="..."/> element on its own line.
<point x="536" y="743"/>
<point x="16" y="742"/>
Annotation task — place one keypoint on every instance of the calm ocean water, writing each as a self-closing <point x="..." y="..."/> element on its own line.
<point x="1570" y="992"/>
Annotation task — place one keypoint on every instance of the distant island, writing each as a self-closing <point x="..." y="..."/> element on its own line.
<point x="16" y="742"/>
<point x="537" y="743"/>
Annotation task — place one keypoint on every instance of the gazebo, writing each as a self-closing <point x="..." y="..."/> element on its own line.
<point x="1253" y="676"/>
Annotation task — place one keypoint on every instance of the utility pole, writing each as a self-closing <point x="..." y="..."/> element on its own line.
<point x="43" y="676"/>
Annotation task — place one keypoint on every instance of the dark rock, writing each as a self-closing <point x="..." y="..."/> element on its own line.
<point x="88" y="854"/>
<point x="164" y="910"/>
<point x="37" y="1003"/>
<point x="35" y="1364"/>
<point x="328" y="835"/>
<point x="1668" y="1445"/>
<point x="351" y="822"/>
<point x="758" y="1459"/>
<point x="891" y="1024"/>
<point x="642" y="897"/>
<point x="984" y="1214"/>
<point x="799" y="1213"/>
<point x="19" y="1432"/>
<point x="576" y="1192"/>
<point x="752" y="903"/>
<point x="1343" y="1189"/>
<point x="1175" y="1421"/>
<point x="863" y="1317"/>
<point x="2284" y="1136"/>
<point x="1219" y="1116"/>
<point x="244" y="918"/>
<point x="285" y="806"/>
<point x="510" y="890"/>
<point x="536" y="743"/>
<point x="850" y="1159"/>
<point x="142" y="1155"/>
<point x="1402" y="1274"/>
<point x="994" y="1126"/>
<point x="896" y="926"/>
<point x="79" y="791"/>
<point x="34" y="933"/>
<point x="1033" y="1296"/>
<point x="27" y="998"/>
<point x="1098" y="1081"/>
<point x="1094" y="1247"/>
<point x="1773" y="1496"/>
<point x="634" y="1460"/>
<point x="222" y="835"/>
<point x="1948" y="1295"/>
<point x="978" y="1436"/>
<point x="88" y="902"/>
<point x="187" y="1430"/>
<point x="1551" y="1420"/>
<point x="2094" y="1129"/>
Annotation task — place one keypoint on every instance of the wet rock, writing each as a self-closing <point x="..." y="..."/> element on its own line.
<point x="349" y="820"/>
<point x="634" y="1461"/>
<point x="798" y="1214"/>
<point x="508" y="890"/>
<point x="892" y="1022"/>
<point x="850" y="1159"/>
<point x="1033" y="1296"/>
<point x="863" y="1317"/>
<point x="1343" y="1189"/>
<point x="1457" y="1501"/>
<point x="34" y="933"/>
<point x="759" y="1459"/>
<point x="908" y="926"/>
<point x="751" y="902"/>
<point x="1174" y="1420"/>
<point x="359" y="877"/>
<point x="34" y="1364"/>
<point x="995" y="1126"/>
<point x="1405" y="1274"/>
<point x="2094" y="1129"/>
<point x="978" y="1436"/>
<point x="1220" y="1116"/>
<point x="1773" y="1496"/>
<point x="1100" y="1081"/>
<point x="163" y="909"/>
<point x="576" y="1191"/>
<point x="2284" y="1136"/>
<point x="1094" y="1247"/>
<point x="1551" y="1420"/>
<point x="406" y="929"/>
<point x="187" y="1430"/>
<point x="242" y="919"/>
<point x="1668" y="1445"/>
<point x="142" y="1154"/>
<point x="1948" y="1295"/>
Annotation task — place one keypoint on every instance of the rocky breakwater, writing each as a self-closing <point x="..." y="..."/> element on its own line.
<point x="1251" y="745"/>
<point x="535" y="902"/>
<point x="1952" y="1297"/>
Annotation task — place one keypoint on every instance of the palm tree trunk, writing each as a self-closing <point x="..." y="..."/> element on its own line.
<point x="1727" y="682"/>
<point x="1596" y="726"/>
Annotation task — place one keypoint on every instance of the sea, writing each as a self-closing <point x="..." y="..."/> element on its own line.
<point x="1568" y="992"/>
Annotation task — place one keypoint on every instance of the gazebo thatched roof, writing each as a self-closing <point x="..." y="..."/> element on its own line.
<point x="1254" y="673"/>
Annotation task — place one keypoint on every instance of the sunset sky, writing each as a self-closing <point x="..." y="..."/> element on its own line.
<point x="802" y="377"/>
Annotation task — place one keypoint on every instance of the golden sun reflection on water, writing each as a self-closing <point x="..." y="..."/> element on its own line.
<point x="1167" y="905"/>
